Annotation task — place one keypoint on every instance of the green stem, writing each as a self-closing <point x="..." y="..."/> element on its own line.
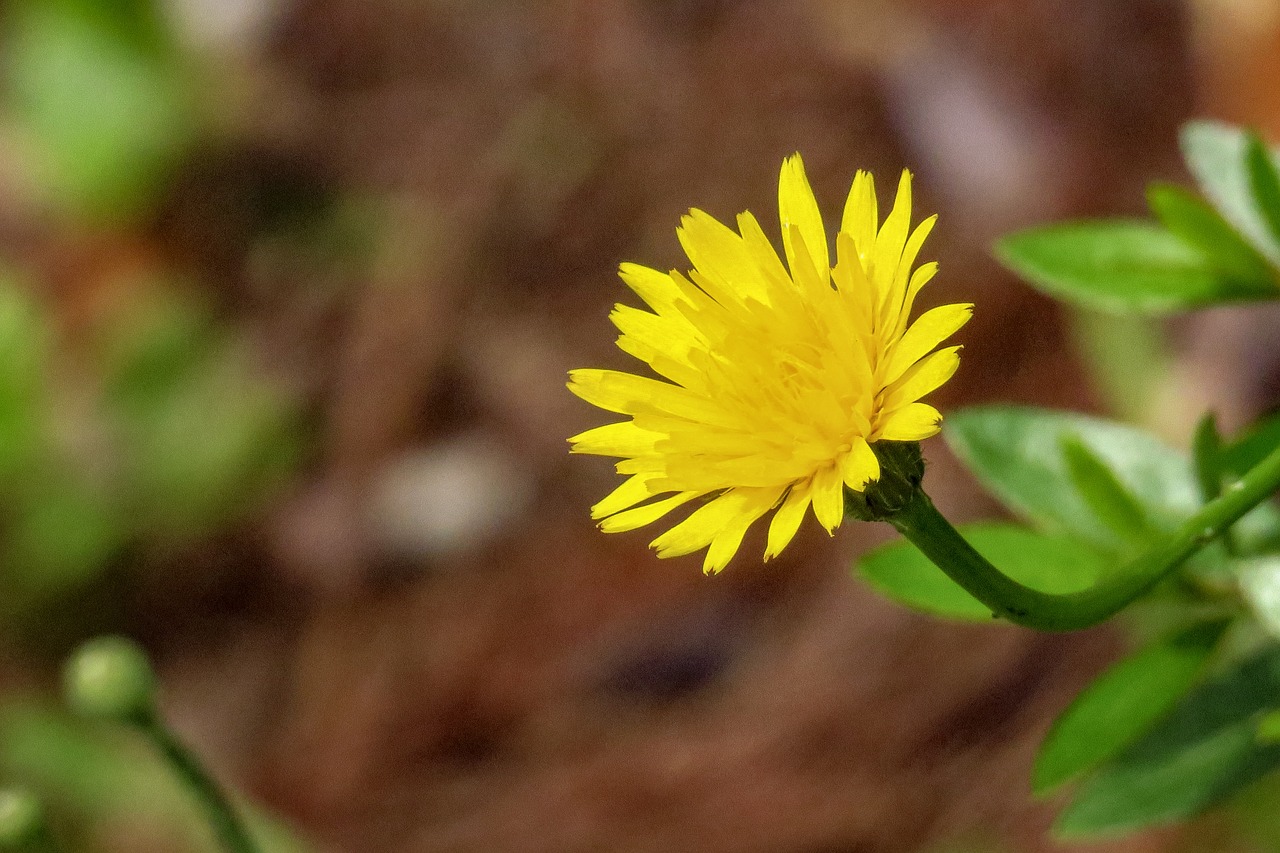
<point x="218" y="810"/>
<point x="921" y="523"/>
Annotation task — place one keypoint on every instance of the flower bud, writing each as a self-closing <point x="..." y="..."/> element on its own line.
<point x="110" y="678"/>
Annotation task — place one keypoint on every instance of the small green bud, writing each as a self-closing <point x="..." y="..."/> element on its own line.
<point x="110" y="678"/>
<point x="21" y="819"/>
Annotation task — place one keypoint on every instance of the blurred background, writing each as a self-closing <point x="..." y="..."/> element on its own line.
<point x="288" y="291"/>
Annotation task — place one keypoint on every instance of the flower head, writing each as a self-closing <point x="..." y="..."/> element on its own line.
<point x="775" y="379"/>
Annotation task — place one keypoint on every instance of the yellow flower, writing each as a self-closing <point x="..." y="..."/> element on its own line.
<point x="777" y="382"/>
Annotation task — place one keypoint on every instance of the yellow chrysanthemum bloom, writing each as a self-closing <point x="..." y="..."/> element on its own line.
<point x="778" y="382"/>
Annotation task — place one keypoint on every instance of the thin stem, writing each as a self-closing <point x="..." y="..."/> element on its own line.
<point x="218" y="810"/>
<point x="921" y="523"/>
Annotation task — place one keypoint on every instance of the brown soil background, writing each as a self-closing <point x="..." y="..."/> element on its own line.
<point x="530" y="684"/>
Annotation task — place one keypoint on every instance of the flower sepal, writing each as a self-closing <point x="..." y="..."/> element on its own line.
<point x="901" y="473"/>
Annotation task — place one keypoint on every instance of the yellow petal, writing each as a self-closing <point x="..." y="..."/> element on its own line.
<point x="859" y="466"/>
<point x="662" y="342"/>
<point x="914" y="244"/>
<point x="722" y="549"/>
<point x="932" y="328"/>
<point x="786" y="521"/>
<point x="651" y="465"/>
<point x="798" y="207"/>
<point x="672" y="335"/>
<point x="630" y="519"/>
<point x="629" y="394"/>
<point x="811" y="280"/>
<point x="912" y="422"/>
<point x="828" y="497"/>
<point x="721" y="256"/>
<point x="632" y="491"/>
<point x="762" y="252"/>
<point x="851" y="280"/>
<point x="702" y="525"/>
<point x="890" y="242"/>
<point x="861" y="219"/>
<point x="701" y="439"/>
<point x="726" y="543"/>
<point x="904" y="270"/>
<point x="707" y="316"/>
<point x="621" y="439"/>
<point x="656" y="288"/>
<point x="919" y="279"/>
<point x="664" y="365"/>
<point x="596" y="388"/>
<point x="926" y="375"/>
<point x="694" y="471"/>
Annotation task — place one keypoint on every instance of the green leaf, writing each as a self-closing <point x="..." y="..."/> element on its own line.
<point x="1123" y="266"/>
<point x="1217" y="157"/>
<point x="1200" y="226"/>
<point x="1205" y="749"/>
<point x="1253" y="445"/>
<point x="1017" y="453"/>
<point x="1049" y="563"/>
<point x="1264" y="183"/>
<point x="1108" y="498"/>
<point x="105" y="114"/>
<point x="1259" y="581"/>
<point x="1121" y="704"/>
<point x="1206" y="453"/>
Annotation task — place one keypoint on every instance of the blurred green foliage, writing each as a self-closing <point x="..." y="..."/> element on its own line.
<point x="1197" y="255"/>
<point x="172" y="436"/>
<point x="104" y="100"/>
<point x="199" y="435"/>
<point x="101" y="786"/>
<point x="145" y="426"/>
